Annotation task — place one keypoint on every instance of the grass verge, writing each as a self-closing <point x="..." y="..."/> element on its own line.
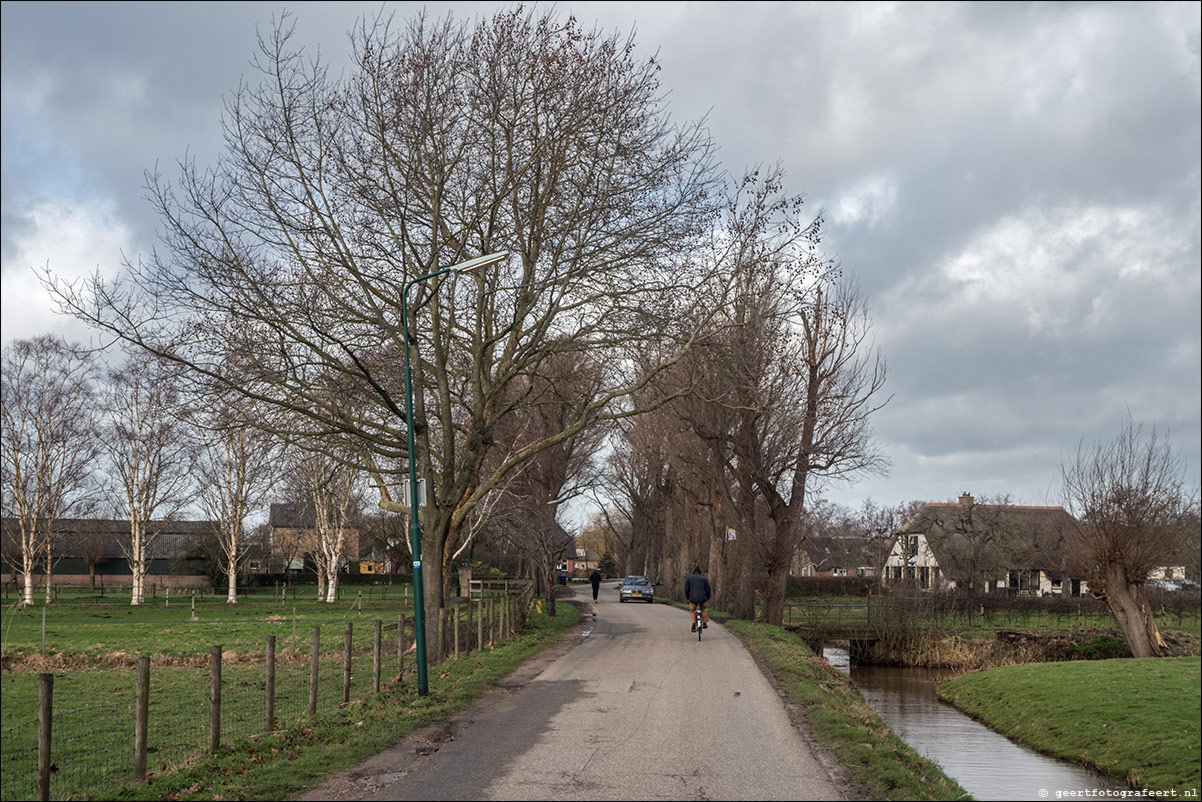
<point x="1134" y="720"/>
<point x="879" y="764"/>
<point x="284" y="764"/>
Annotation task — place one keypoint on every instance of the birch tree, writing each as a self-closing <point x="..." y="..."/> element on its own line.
<point x="151" y="454"/>
<point x="329" y="499"/>
<point x="236" y="470"/>
<point x="49" y="445"/>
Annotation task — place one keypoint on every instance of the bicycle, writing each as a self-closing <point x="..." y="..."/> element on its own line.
<point x="698" y="621"/>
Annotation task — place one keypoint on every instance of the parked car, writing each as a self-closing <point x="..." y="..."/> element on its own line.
<point x="1162" y="584"/>
<point x="636" y="588"/>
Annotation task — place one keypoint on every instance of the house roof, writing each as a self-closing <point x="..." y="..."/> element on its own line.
<point x="291" y="516"/>
<point x="175" y="539"/>
<point x="1014" y="535"/>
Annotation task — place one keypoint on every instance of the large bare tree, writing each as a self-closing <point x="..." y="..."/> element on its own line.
<point x="1134" y="512"/>
<point x="151" y="453"/>
<point x="49" y="444"/>
<point x="282" y="269"/>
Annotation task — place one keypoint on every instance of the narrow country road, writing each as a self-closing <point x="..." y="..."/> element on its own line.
<point x="638" y="710"/>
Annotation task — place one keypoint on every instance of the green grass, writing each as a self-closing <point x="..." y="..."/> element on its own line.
<point x="83" y="628"/>
<point x="880" y="764"/>
<point x="1134" y="720"/>
<point x="93" y="721"/>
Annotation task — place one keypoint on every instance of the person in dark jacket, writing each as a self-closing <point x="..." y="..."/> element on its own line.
<point x="595" y="579"/>
<point x="697" y="591"/>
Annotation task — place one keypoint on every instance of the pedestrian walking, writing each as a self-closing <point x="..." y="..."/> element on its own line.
<point x="595" y="579"/>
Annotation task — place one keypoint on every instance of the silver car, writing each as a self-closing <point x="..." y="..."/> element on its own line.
<point x="636" y="588"/>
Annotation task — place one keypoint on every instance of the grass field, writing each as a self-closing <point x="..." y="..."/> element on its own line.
<point x="82" y="626"/>
<point x="1135" y="720"/>
<point x="91" y="646"/>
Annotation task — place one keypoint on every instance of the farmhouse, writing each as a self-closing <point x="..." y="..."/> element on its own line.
<point x="988" y="548"/>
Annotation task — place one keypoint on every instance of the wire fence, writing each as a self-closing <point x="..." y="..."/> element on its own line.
<point x="96" y="730"/>
<point x="966" y="613"/>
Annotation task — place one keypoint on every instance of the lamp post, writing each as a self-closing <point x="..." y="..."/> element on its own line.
<point x="415" y="531"/>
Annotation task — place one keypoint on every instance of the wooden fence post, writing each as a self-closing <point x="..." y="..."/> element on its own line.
<point x="45" y="717"/>
<point x="479" y="624"/>
<point x="314" y="670"/>
<point x="440" y="641"/>
<point x="269" y="702"/>
<point x="214" y="699"/>
<point x="375" y="656"/>
<point x="492" y="622"/>
<point x="346" y="664"/>
<point x="455" y="618"/>
<point x="467" y="634"/>
<point x="141" y="718"/>
<point x="400" y="646"/>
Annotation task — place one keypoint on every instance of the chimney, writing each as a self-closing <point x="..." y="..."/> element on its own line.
<point x="965" y="500"/>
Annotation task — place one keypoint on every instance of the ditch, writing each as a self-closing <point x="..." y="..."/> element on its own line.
<point x="988" y="765"/>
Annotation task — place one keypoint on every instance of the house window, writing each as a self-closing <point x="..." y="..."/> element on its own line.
<point x="913" y="545"/>
<point x="253" y="565"/>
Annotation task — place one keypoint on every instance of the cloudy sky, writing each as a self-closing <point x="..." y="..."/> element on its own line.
<point x="1016" y="187"/>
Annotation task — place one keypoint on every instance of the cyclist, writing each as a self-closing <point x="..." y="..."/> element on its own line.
<point x="697" y="591"/>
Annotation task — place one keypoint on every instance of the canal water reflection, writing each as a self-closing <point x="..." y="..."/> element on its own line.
<point x="988" y="765"/>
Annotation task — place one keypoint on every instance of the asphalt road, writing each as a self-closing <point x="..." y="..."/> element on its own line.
<point x="638" y="710"/>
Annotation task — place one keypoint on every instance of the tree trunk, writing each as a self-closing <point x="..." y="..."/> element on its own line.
<point x="775" y="590"/>
<point x="137" y="586"/>
<point x="231" y="596"/>
<point x="28" y="564"/>
<point x="1129" y="604"/>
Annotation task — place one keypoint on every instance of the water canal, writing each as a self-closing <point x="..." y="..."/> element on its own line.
<point x="987" y="765"/>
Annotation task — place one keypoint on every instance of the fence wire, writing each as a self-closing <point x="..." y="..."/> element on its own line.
<point x="92" y="748"/>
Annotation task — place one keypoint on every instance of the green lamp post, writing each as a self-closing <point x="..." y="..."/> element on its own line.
<point x="415" y="532"/>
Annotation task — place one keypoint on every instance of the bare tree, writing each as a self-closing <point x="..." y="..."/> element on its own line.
<point x="151" y="452"/>
<point x="521" y="133"/>
<point x="236" y="469"/>
<point x="552" y="394"/>
<point x="93" y="544"/>
<point x="49" y="443"/>
<point x="976" y="540"/>
<point x="1132" y="506"/>
<point x="388" y="534"/>
<point x="882" y="524"/>
<point x="796" y="367"/>
<point x="330" y="500"/>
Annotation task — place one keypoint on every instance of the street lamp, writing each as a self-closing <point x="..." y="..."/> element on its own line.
<point x="415" y="530"/>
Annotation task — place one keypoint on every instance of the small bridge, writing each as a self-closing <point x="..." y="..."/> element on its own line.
<point x="855" y="620"/>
